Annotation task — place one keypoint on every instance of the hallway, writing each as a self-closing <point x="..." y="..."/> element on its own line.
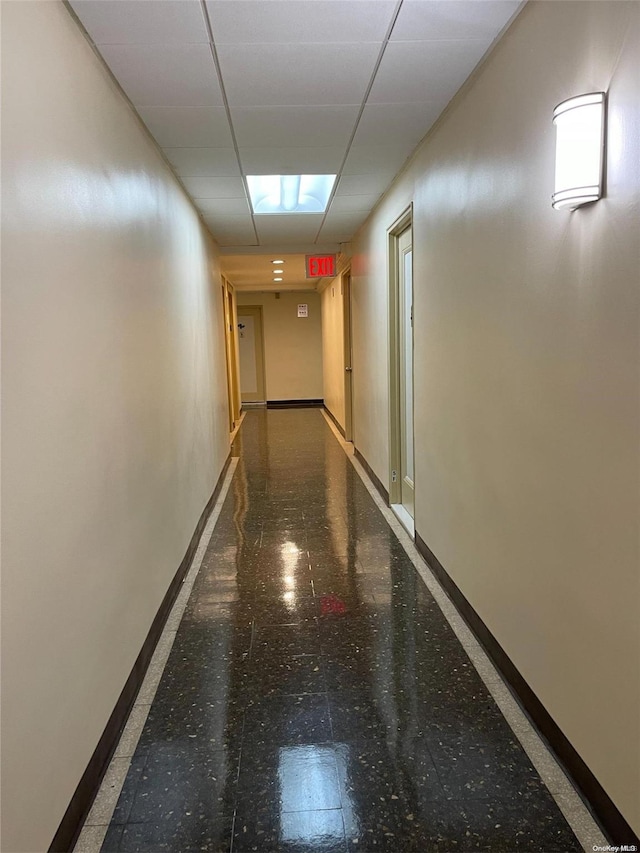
<point x="315" y="698"/>
<point x="371" y="207"/>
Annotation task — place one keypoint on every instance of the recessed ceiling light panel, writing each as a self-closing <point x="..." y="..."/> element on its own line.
<point x="289" y="193"/>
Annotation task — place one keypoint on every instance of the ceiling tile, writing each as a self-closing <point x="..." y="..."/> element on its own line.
<point x="338" y="235"/>
<point x="310" y="21"/>
<point x="226" y="239"/>
<point x="380" y="159"/>
<point x="288" y="227"/>
<point x="395" y="123"/>
<point x="341" y="227"/>
<point x="292" y="161"/>
<point x="232" y="230"/>
<point x="165" y="75"/>
<point x="214" y="187"/>
<point x="425" y="71"/>
<point x="363" y="184"/>
<point x="211" y="162"/>
<point x="351" y="203"/>
<point x="442" y="19"/>
<point x="353" y="218"/>
<point x="261" y="74"/>
<point x="295" y="127"/>
<point x="229" y="221"/>
<point x="175" y="127"/>
<point x="223" y="206"/>
<point x="135" y="22"/>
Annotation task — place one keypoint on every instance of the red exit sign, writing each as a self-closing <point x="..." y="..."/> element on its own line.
<point x="319" y="266"/>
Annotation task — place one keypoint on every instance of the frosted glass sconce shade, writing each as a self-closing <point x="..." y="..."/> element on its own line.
<point x="580" y="124"/>
<point x="290" y="193"/>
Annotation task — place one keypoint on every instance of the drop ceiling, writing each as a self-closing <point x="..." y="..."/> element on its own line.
<point x="236" y="87"/>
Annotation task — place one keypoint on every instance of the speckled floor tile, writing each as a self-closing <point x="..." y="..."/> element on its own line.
<point x="294" y="676"/>
<point x="274" y="643"/>
<point x="183" y="780"/>
<point x="350" y="673"/>
<point x="286" y="608"/>
<point x="356" y="715"/>
<point x="381" y="775"/>
<point x="284" y="720"/>
<point x="270" y="569"/>
<point x="482" y="762"/>
<point x="208" y="724"/>
<point x="187" y="833"/>
<point x="111" y="842"/>
<point x="318" y="831"/>
<point x="124" y="804"/>
<point x="497" y="827"/>
<point x="286" y="586"/>
<point x="315" y="697"/>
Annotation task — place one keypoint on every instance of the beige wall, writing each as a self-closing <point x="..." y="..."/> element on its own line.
<point x="527" y="372"/>
<point x="114" y="404"/>
<point x="292" y="345"/>
<point x="333" y="349"/>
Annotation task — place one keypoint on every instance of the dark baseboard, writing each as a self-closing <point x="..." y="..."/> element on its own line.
<point x="82" y="800"/>
<point x="372" y="475"/>
<point x="596" y="798"/>
<point x="295" y="404"/>
<point x="335" y="421"/>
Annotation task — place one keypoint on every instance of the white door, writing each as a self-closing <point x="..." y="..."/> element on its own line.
<point x="250" y="348"/>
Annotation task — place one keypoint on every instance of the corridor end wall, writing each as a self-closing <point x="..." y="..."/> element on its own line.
<point x="115" y="425"/>
<point x="527" y="376"/>
<point x="292" y="344"/>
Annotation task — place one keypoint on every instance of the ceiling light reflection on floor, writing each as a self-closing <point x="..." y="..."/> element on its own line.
<point x="308" y="782"/>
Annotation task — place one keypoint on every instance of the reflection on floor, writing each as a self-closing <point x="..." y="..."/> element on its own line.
<point x="315" y="698"/>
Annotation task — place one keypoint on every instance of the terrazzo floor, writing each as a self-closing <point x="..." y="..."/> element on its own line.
<point x="315" y="698"/>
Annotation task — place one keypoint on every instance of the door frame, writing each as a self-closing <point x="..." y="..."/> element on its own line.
<point x="348" y="354"/>
<point x="231" y="352"/>
<point x="404" y="221"/>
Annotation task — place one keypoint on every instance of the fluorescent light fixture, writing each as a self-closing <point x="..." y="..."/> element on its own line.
<point x="580" y="128"/>
<point x="277" y="262"/>
<point x="277" y="279"/>
<point x="290" y="193"/>
<point x="275" y="272"/>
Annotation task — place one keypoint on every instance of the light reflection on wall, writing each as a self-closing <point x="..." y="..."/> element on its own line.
<point x="453" y="189"/>
<point x="62" y="195"/>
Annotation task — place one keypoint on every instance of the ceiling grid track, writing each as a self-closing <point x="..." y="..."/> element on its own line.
<point x="225" y="101"/>
<point x="360" y="112"/>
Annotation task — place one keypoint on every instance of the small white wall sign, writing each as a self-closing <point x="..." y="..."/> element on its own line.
<point x="303" y="310"/>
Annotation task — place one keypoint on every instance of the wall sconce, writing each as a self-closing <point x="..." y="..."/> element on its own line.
<point x="580" y="128"/>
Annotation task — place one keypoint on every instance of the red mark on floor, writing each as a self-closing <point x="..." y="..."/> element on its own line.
<point x="330" y="604"/>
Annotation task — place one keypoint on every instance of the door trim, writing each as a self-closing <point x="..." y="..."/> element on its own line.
<point x="231" y="352"/>
<point x="404" y="221"/>
<point x="345" y="288"/>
